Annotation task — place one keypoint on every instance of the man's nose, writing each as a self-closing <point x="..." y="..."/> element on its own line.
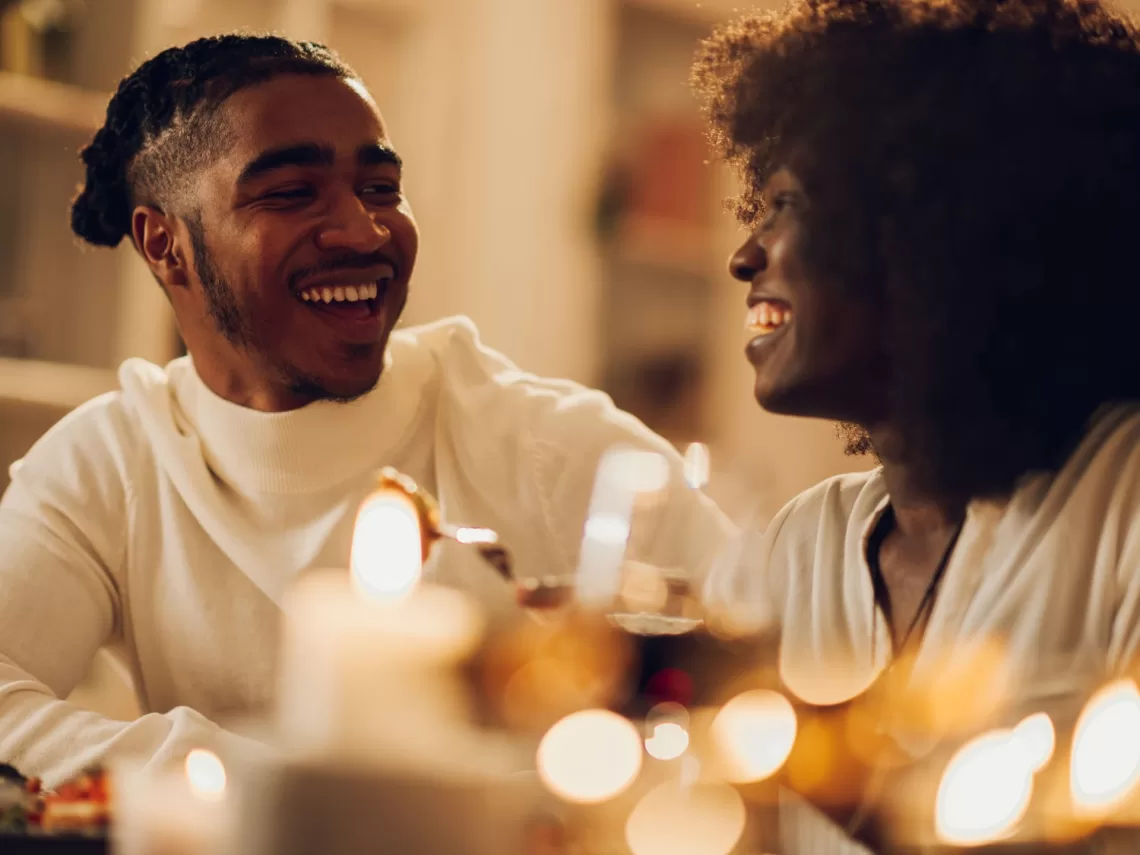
<point x="353" y="227"/>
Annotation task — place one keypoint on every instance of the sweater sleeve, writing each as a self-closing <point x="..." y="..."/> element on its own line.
<point x="63" y="527"/>
<point x="533" y="445"/>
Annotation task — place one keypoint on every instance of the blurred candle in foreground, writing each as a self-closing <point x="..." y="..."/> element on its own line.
<point x="368" y="654"/>
<point x="170" y="812"/>
<point x="704" y="818"/>
<point x="1105" y="762"/>
<point x="589" y="756"/>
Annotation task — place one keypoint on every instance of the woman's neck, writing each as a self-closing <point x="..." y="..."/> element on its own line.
<point x="919" y="509"/>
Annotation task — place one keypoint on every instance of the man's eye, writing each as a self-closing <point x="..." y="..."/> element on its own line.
<point x="382" y="189"/>
<point x="289" y="194"/>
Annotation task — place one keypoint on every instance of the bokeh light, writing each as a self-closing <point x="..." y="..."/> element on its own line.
<point x="702" y="819"/>
<point x="589" y="756"/>
<point x="1036" y="738"/>
<point x="985" y="790"/>
<point x="205" y="774"/>
<point x="753" y="734"/>
<point x="668" y="741"/>
<point x="1105" y="763"/>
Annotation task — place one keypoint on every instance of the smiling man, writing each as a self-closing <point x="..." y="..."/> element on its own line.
<point x="256" y="178"/>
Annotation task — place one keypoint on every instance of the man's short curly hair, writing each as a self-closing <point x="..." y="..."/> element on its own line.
<point x="973" y="166"/>
<point x="163" y="123"/>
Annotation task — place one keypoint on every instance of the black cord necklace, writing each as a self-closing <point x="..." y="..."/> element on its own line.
<point x="882" y="595"/>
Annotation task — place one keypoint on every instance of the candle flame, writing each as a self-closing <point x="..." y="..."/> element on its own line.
<point x="205" y="774"/>
<point x="754" y="734"/>
<point x="387" y="546"/>
<point x="1105" y="764"/>
<point x="589" y="756"/>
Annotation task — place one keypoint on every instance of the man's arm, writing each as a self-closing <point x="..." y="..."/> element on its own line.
<point x="63" y="535"/>
<point x="542" y="440"/>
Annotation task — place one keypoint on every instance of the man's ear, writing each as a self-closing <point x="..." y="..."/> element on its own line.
<point x="156" y="238"/>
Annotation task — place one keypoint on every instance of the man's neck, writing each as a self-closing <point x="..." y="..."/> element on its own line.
<point x="234" y="381"/>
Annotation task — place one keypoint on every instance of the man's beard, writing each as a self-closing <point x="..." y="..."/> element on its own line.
<point x="233" y="323"/>
<point x="221" y="302"/>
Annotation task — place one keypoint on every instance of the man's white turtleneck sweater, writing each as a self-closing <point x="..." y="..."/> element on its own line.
<point x="167" y="522"/>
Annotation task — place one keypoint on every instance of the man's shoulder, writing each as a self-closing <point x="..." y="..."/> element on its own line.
<point x="488" y="384"/>
<point x="99" y="436"/>
<point x="106" y="431"/>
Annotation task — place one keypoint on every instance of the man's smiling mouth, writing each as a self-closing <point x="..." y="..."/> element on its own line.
<point x="350" y="286"/>
<point x="355" y="294"/>
<point x="341" y="293"/>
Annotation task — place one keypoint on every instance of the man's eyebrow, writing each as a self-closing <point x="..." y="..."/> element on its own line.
<point x="378" y="154"/>
<point x="304" y="154"/>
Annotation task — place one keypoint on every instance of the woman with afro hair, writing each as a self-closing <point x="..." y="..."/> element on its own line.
<point x="943" y="199"/>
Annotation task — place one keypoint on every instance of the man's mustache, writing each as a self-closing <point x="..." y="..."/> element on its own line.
<point x="355" y="261"/>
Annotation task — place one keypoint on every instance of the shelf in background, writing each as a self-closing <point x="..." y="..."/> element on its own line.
<point x="52" y="384"/>
<point x="45" y="104"/>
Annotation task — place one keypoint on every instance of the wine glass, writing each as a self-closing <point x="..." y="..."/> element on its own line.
<point x="621" y="571"/>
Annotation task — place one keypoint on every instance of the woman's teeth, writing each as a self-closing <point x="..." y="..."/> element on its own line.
<point x="765" y="318"/>
<point x="340" y="293"/>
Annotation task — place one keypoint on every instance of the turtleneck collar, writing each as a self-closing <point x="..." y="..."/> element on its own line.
<point x="312" y="448"/>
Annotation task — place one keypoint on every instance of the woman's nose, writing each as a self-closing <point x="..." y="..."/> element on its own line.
<point x="749" y="260"/>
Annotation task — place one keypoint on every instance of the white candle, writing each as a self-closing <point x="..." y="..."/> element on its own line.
<point x="369" y="653"/>
<point x="170" y="812"/>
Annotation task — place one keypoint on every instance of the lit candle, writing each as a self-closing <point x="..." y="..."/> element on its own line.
<point x="369" y="654"/>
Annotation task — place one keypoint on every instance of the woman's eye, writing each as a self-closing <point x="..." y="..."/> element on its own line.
<point x="783" y="201"/>
<point x="777" y="205"/>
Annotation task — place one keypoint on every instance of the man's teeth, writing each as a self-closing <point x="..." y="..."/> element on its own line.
<point x="340" y="293"/>
<point x="765" y="317"/>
